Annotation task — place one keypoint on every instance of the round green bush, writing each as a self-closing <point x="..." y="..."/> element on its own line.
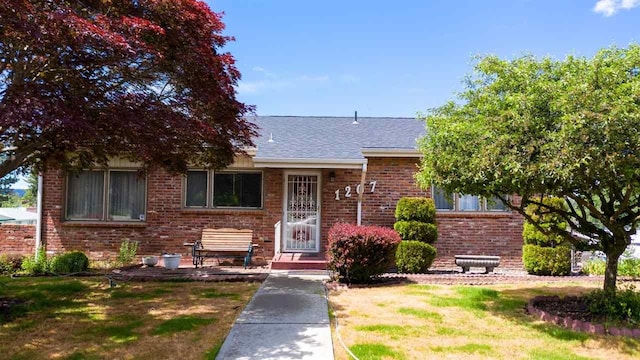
<point x="416" y="230"/>
<point x="417" y="209"/>
<point x="540" y="260"/>
<point x="414" y="257"/>
<point x="70" y="262"/>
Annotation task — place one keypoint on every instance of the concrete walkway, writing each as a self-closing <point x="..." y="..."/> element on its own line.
<point x="287" y="318"/>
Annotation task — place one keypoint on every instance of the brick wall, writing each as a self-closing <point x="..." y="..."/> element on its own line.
<point x="17" y="239"/>
<point x="459" y="233"/>
<point x="479" y="234"/>
<point x="394" y="178"/>
<point x="167" y="225"/>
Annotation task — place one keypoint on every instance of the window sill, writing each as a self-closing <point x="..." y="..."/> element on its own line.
<point x="110" y="224"/>
<point x="225" y="211"/>
<point x="475" y="214"/>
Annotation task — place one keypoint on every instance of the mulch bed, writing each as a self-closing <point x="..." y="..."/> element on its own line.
<point x="574" y="307"/>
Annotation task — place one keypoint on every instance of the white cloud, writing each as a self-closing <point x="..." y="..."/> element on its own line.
<point x="610" y="7"/>
<point x="271" y="81"/>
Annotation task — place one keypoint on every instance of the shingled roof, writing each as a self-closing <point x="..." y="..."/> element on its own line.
<point x="335" y="138"/>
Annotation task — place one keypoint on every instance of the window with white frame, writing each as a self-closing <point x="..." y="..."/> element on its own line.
<point x="460" y="202"/>
<point x="106" y="195"/>
<point x="223" y="189"/>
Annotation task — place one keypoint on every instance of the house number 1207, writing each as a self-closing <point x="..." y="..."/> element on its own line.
<point x="347" y="190"/>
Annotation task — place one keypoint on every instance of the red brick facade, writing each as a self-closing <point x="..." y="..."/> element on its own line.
<point x="17" y="239"/>
<point x="168" y="225"/>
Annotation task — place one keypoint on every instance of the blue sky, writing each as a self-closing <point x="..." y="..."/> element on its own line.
<point x="383" y="58"/>
<point x="397" y="58"/>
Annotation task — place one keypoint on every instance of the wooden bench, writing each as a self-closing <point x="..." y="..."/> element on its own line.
<point x="485" y="261"/>
<point x="223" y="243"/>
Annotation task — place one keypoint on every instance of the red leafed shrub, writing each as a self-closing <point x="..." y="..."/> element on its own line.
<point x="358" y="253"/>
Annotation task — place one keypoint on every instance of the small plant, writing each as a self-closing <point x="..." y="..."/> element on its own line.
<point x="70" y="262"/>
<point x="594" y="267"/>
<point x="358" y="253"/>
<point x="623" y="305"/>
<point x="626" y="267"/>
<point x="36" y="265"/>
<point x="10" y="263"/>
<point x="414" y="256"/>
<point x="127" y="253"/>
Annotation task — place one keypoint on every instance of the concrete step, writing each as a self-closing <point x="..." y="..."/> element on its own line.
<point x="298" y="261"/>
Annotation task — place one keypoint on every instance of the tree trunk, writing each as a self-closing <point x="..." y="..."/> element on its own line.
<point x="611" y="272"/>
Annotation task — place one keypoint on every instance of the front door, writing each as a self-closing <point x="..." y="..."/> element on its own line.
<point x="301" y="212"/>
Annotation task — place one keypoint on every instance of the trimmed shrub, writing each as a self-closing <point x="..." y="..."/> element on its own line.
<point x="358" y="253"/>
<point x="530" y="232"/>
<point x="70" y="262"/>
<point x="621" y="306"/>
<point x="10" y="263"/>
<point x="416" y="208"/>
<point x="540" y="260"/>
<point x="545" y="254"/>
<point x="414" y="256"/>
<point x="416" y="230"/>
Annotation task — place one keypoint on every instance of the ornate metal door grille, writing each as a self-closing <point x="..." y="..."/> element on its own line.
<point x="302" y="213"/>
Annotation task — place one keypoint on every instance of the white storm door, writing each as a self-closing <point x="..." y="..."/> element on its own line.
<point x="301" y="212"/>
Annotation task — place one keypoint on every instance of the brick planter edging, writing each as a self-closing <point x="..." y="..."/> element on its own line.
<point x="577" y="325"/>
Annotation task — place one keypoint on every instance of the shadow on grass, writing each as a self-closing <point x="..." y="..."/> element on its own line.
<point x="512" y="303"/>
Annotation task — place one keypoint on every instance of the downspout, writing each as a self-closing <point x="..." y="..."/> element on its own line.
<point x="39" y="217"/>
<point x="361" y="192"/>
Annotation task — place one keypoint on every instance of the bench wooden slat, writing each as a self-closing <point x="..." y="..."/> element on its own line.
<point x="223" y="242"/>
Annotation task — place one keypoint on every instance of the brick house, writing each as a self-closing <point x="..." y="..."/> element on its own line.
<point x="305" y="174"/>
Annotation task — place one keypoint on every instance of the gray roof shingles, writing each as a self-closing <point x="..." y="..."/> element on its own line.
<point x="309" y="137"/>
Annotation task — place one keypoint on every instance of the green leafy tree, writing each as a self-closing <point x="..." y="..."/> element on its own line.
<point x="543" y="127"/>
<point x="5" y="187"/>
<point x="30" y="196"/>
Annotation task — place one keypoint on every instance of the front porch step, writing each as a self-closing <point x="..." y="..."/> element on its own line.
<point x="299" y="261"/>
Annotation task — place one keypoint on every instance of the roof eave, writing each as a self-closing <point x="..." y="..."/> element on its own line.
<point x="308" y="163"/>
<point x="391" y="152"/>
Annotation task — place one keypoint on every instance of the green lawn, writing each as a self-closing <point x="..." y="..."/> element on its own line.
<point x="463" y="322"/>
<point x="84" y="318"/>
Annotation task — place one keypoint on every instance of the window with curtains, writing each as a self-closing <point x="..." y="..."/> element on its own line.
<point x="106" y="195"/>
<point x="223" y="189"/>
<point x="459" y="202"/>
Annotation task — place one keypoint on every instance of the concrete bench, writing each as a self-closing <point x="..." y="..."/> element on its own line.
<point x="223" y="243"/>
<point x="485" y="261"/>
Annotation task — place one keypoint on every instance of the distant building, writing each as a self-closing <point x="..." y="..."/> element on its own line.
<point x="19" y="215"/>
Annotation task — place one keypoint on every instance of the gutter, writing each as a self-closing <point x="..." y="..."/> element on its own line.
<point x="38" y="243"/>
<point x="308" y="163"/>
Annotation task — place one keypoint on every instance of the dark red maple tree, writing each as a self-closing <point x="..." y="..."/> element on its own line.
<point x="146" y="80"/>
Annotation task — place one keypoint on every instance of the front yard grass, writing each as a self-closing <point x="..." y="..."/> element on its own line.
<point x="84" y="318"/>
<point x="463" y="322"/>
